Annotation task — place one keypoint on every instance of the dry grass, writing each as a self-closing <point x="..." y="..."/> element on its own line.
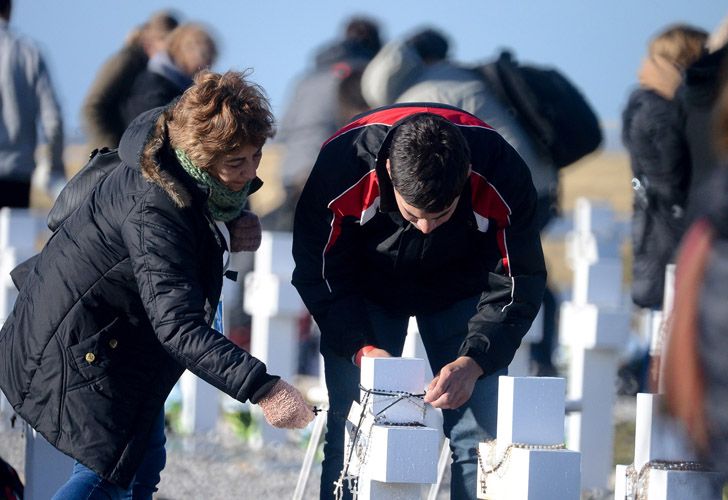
<point x="603" y="177"/>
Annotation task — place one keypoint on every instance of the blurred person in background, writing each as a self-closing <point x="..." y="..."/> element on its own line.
<point x="314" y="114"/>
<point x="28" y="103"/>
<point x="697" y="97"/>
<point x="102" y="106"/>
<point x="695" y="362"/>
<point x="653" y="135"/>
<point x="189" y="48"/>
<point x="418" y="69"/>
<point x="123" y="297"/>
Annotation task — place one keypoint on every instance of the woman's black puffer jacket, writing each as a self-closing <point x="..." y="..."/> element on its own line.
<point x="118" y="304"/>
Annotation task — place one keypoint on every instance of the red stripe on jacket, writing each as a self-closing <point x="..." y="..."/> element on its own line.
<point x="391" y="116"/>
<point x="352" y="202"/>
<point x="488" y="202"/>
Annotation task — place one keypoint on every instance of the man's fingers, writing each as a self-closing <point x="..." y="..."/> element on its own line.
<point x="437" y="388"/>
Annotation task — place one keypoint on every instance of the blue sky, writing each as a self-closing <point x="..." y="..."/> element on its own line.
<point x="599" y="44"/>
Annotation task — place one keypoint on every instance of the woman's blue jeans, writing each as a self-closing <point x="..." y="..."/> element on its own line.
<point x="442" y="334"/>
<point x="85" y="484"/>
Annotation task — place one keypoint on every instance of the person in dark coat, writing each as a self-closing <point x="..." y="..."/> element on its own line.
<point x="652" y="133"/>
<point x="122" y="298"/>
<point x="102" y="105"/>
<point x="314" y="112"/>
<point x="189" y="49"/>
<point x="697" y="97"/>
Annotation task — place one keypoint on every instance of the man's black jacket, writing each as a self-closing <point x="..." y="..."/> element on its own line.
<point x="350" y="242"/>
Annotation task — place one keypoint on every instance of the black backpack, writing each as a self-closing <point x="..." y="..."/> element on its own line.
<point x="101" y="162"/>
<point x="548" y="106"/>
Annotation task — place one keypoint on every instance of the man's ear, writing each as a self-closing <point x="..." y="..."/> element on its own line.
<point x="389" y="168"/>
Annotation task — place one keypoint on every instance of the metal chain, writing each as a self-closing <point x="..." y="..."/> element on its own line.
<point x="499" y="466"/>
<point x="379" y="418"/>
<point x="638" y="483"/>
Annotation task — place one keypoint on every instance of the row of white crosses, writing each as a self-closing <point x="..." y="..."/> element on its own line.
<point x="664" y="467"/>
<point x="593" y="327"/>
<point x="22" y="233"/>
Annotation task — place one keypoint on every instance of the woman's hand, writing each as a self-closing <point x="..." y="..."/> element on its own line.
<point x="245" y="232"/>
<point x="284" y="407"/>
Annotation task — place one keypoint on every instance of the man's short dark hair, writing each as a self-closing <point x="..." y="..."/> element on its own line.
<point x="429" y="162"/>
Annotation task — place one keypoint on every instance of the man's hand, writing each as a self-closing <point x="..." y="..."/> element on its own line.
<point x="377" y="353"/>
<point x="453" y="386"/>
<point x="370" y="351"/>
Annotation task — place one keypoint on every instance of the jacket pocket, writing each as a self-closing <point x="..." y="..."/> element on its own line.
<point x="91" y="357"/>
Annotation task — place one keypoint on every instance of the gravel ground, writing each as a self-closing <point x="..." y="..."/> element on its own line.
<point x="218" y="465"/>
<point x="221" y="465"/>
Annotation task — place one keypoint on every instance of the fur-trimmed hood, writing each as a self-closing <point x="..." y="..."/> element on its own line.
<point x="144" y="134"/>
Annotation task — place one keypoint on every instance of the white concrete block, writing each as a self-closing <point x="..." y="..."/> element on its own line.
<point x="587" y="326"/>
<point x="271" y="295"/>
<point x="531" y="475"/>
<point x="599" y="283"/>
<point x="535" y="333"/>
<point x="200" y="404"/>
<point x="10" y="257"/>
<point x="668" y="297"/>
<point x="414" y="348"/>
<point x="357" y="431"/>
<point x="530" y="410"/>
<point x="592" y="217"/>
<point x="620" y="482"/>
<point x="657" y="437"/>
<point x="402" y="454"/>
<point x="46" y="468"/>
<point x="589" y="249"/>
<point x="679" y="485"/>
<point x="521" y="364"/>
<point x="8" y="295"/>
<point x="656" y="333"/>
<point x="274" y="255"/>
<point x="405" y="375"/>
<point x="369" y="489"/>
<point x="275" y="342"/>
<point x="592" y="382"/>
<point x="393" y="374"/>
<point x="23" y="228"/>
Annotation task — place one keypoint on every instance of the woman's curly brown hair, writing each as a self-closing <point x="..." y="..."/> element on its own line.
<point x="218" y="114"/>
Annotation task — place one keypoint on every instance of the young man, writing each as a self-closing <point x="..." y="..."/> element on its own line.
<point x="420" y="210"/>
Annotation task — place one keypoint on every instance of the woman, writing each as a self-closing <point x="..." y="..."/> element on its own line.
<point x="121" y="299"/>
<point x="188" y="49"/>
<point x="652" y="133"/>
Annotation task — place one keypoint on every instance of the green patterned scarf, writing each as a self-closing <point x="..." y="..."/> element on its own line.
<point x="224" y="204"/>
